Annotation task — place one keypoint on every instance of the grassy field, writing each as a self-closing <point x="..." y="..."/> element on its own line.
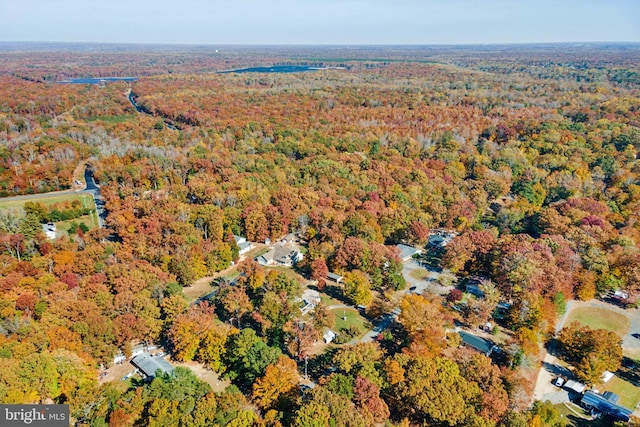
<point x="575" y="416"/>
<point x="419" y="274"/>
<point x="91" y="221"/>
<point x="629" y="394"/>
<point x="329" y="300"/>
<point x="600" y="318"/>
<point x="353" y="318"/>
<point x="86" y="200"/>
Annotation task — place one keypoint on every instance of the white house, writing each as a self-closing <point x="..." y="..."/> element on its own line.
<point x="243" y="245"/>
<point x="280" y="255"/>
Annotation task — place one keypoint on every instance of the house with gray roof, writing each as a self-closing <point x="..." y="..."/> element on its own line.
<point x="280" y="255"/>
<point x="243" y="245"/>
<point x="606" y="404"/>
<point x="148" y="365"/>
<point x="407" y="252"/>
<point x="479" y="344"/>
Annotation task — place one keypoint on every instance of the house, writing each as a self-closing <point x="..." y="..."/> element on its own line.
<point x="606" y="404"/>
<point x="266" y="258"/>
<point x="329" y="336"/>
<point x="289" y="238"/>
<point x="481" y="345"/>
<point x="501" y="311"/>
<point x="310" y="299"/>
<point x="335" y="277"/>
<point x="621" y="295"/>
<point x="440" y="238"/>
<point x="148" y="365"/>
<point x="280" y="255"/>
<point x="135" y="351"/>
<point x="243" y="245"/>
<point x="407" y="252"/>
<point x="472" y="286"/>
<point x="49" y="229"/>
<point x="474" y="290"/>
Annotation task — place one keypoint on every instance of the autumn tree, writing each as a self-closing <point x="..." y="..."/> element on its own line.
<point x="591" y="351"/>
<point x="357" y="288"/>
<point x="279" y="378"/>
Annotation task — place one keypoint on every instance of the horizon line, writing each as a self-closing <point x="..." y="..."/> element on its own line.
<point x="577" y="42"/>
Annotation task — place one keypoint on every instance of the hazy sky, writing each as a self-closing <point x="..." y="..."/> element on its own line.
<point x="320" y="21"/>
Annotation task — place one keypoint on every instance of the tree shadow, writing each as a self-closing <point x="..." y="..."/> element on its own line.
<point x="629" y="372"/>
<point x="334" y="292"/>
<point x="555" y="369"/>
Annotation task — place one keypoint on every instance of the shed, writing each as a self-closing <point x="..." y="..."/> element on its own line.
<point x="608" y="406"/>
<point x="328" y="336"/>
<point x="335" y="277"/>
<point x="148" y="365"/>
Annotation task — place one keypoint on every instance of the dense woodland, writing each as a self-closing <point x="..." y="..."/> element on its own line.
<point x="528" y="153"/>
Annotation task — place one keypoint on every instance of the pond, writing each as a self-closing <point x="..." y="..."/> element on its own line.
<point x="96" y="80"/>
<point x="282" y="69"/>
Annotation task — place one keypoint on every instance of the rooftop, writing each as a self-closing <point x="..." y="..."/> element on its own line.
<point x="148" y="364"/>
<point x="477" y="343"/>
<point x="408" y="251"/>
<point x="606" y="405"/>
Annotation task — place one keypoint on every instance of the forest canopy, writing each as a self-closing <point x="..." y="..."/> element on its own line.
<point x="527" y="157"/>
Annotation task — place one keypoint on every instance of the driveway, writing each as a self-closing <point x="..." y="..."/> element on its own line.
<point x="544" y="390"/>
<point x="430" y="283"/>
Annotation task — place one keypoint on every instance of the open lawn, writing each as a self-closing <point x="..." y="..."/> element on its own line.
<point x="86" y="200"/>
<point x="353" y="318"/>
<point x="600" y="318"/>
<point x="629" y="394"/>
<point x="419" y="273"/>
<point x="575" y="416"/>
<point x="289" y="272"/>
<point x="91" y="221"/>
<point x="329" y="300"/>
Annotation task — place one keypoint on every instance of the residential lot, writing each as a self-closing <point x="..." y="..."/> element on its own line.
<point x="597" y="314"/>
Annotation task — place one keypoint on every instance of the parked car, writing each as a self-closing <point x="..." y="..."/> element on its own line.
<point x="558" y="382"/>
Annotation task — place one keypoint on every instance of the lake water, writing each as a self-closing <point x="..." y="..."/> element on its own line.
<point x="280" y="69"/>
<point x="97" y="80"/>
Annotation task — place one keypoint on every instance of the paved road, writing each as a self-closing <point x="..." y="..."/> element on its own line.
<point x="413" y="286"/>
<point x="94" y="190"/>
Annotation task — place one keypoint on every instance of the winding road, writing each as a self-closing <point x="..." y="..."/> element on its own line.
<point x="140" y="109"/>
